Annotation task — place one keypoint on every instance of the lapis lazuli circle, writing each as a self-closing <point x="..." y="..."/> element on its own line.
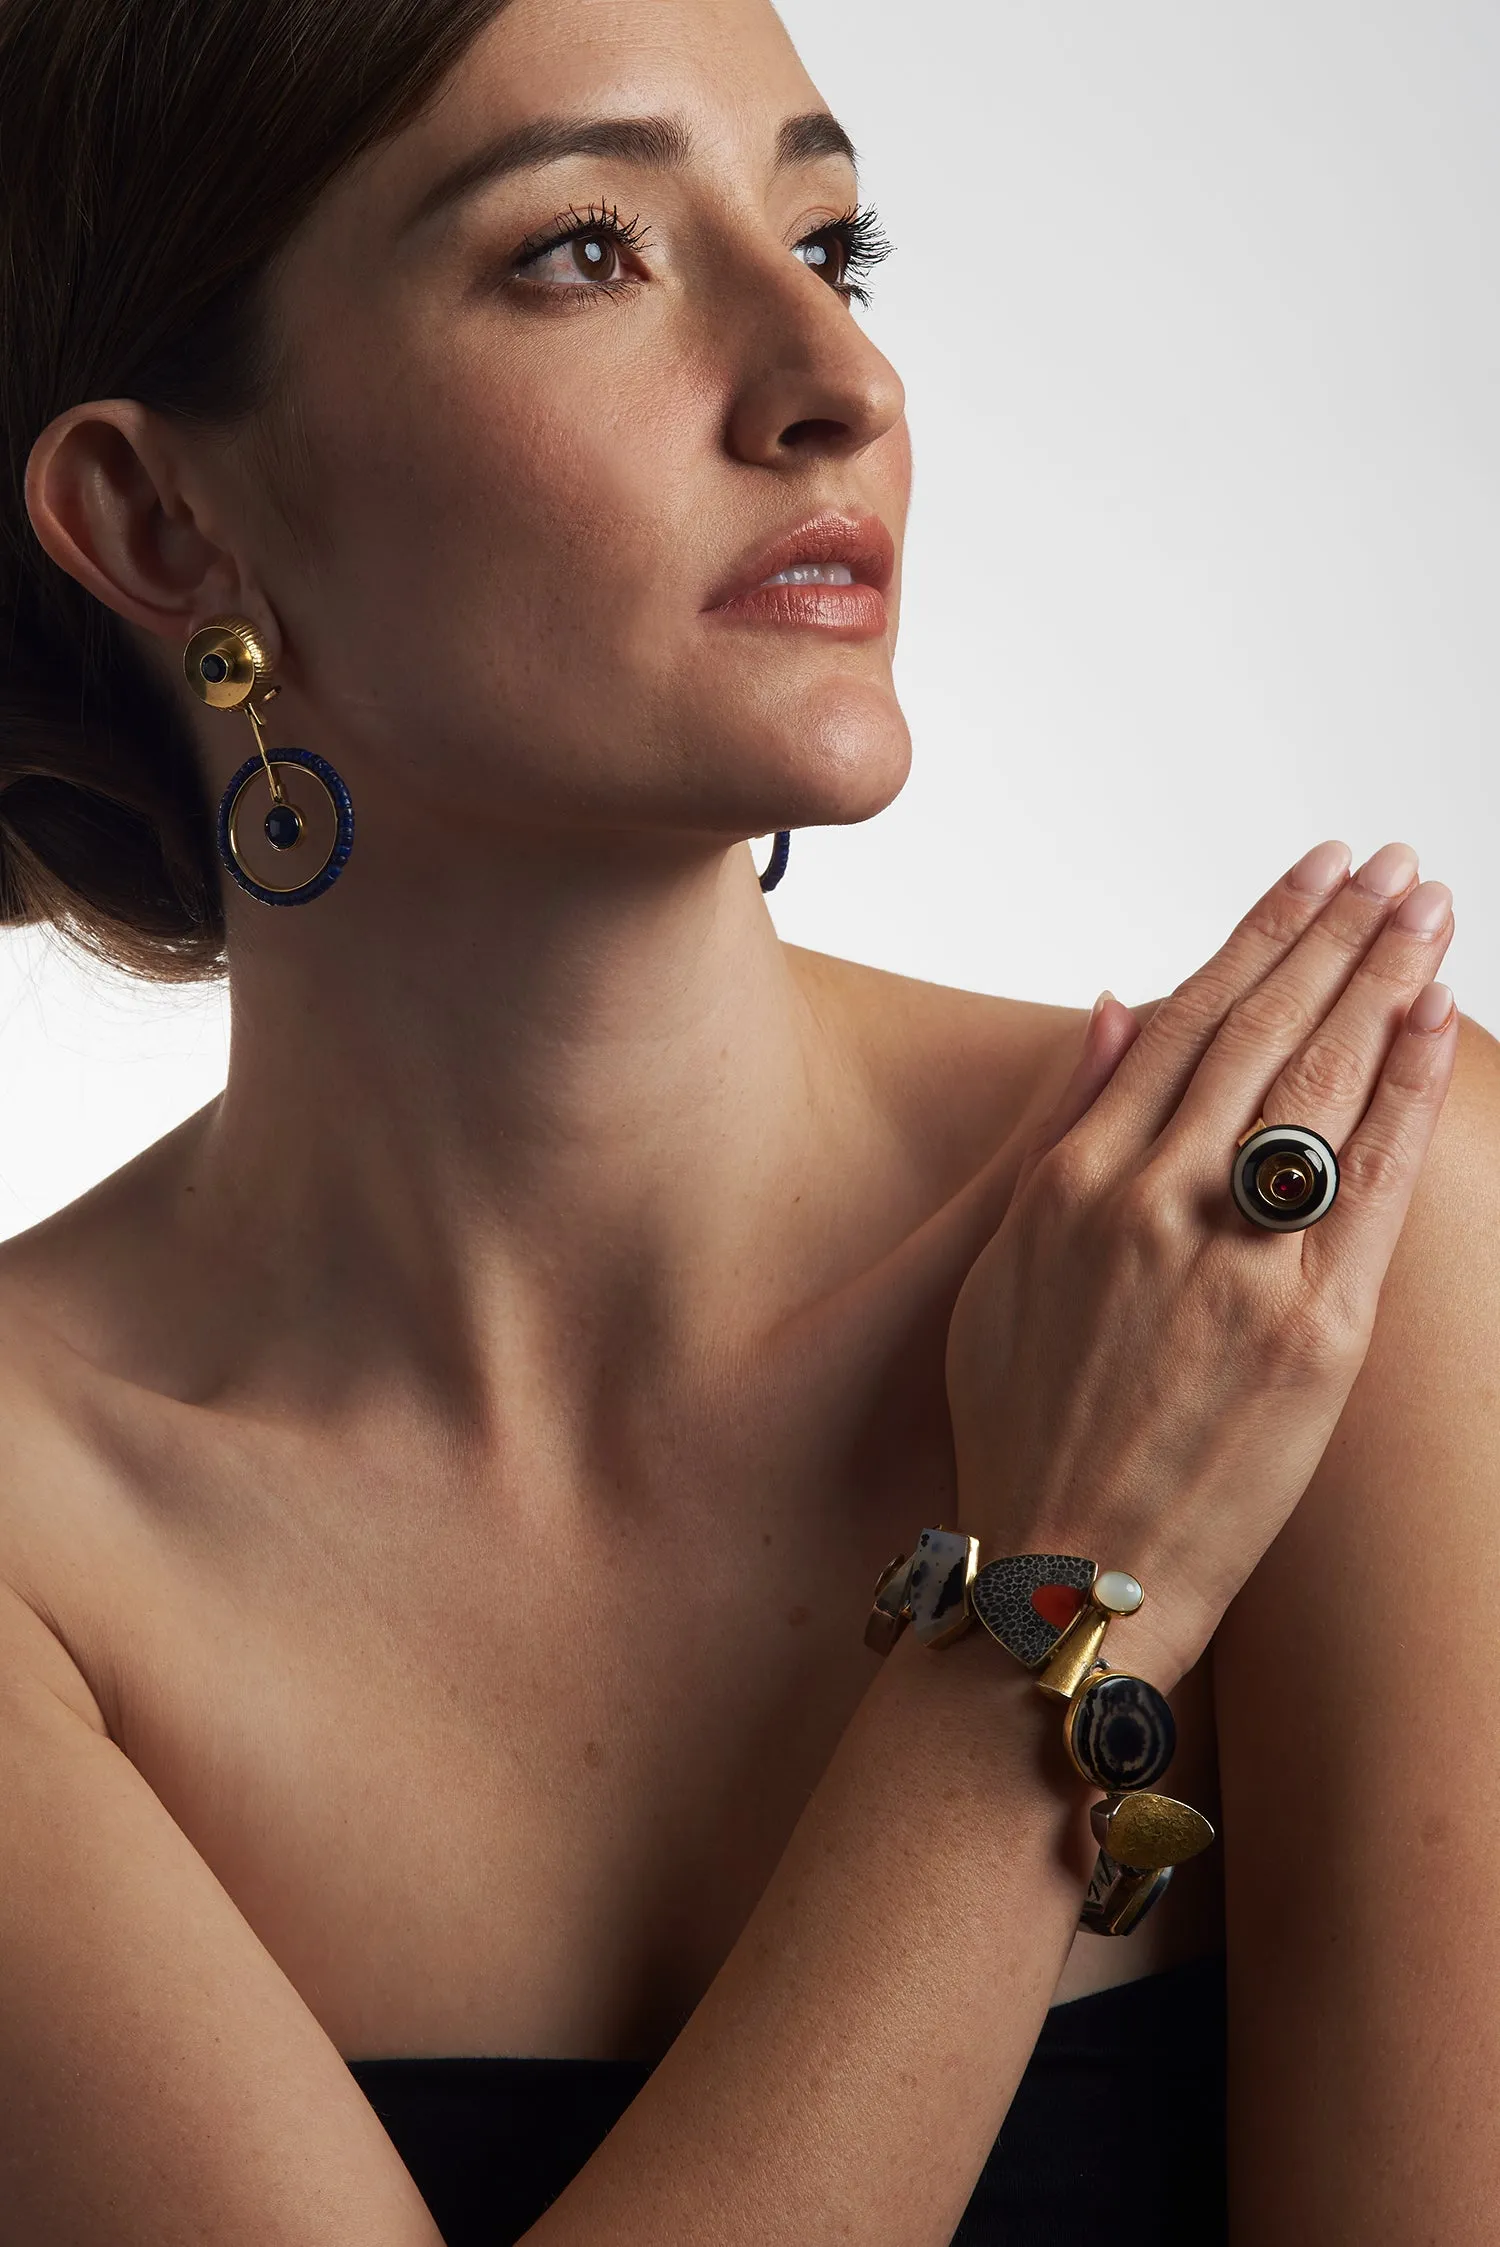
<point x="214" y="669"/>
<point x="283" y="827"/>
<point x="338" y="857"/>
<point x="1122" y="1733"/>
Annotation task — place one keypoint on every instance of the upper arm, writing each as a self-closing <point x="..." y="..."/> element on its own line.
<point x="1361" y="1765"/>
<point x="161" y="2081"/>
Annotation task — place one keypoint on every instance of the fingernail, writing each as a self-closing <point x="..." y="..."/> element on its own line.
<point x="1432" y="1009"/>
<point x="1426" y="910"/>
<point x="1389" y="872"/>
<point x="1099" y="1005"/>
<point x="1324" y="865"/>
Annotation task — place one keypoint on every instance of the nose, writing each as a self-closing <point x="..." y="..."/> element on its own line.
<point x="813" y="382"/>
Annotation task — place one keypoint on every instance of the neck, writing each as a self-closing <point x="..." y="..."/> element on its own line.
<point x="559" y="1082"/>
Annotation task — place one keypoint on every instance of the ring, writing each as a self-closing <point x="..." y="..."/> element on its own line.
<point x="1284" y="1178"/>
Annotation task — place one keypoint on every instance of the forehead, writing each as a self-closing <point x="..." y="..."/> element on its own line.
<point x="724" y="69"/>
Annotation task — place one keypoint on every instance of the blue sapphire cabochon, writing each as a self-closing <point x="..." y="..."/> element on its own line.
<point x="283" y="827"/>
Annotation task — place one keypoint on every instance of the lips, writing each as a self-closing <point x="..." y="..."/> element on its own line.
<point x="861" y="542"/>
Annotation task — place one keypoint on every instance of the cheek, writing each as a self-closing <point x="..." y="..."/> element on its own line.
<point x="514" y="552"/>
<point x="514" y="532"/>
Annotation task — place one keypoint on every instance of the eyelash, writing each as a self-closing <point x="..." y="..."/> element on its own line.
<point x="857" y="232"/>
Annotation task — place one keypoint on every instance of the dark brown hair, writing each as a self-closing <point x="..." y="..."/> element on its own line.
<point x="154" y="157"/>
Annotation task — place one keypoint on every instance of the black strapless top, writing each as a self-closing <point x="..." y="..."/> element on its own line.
<point x="1116" y="2129"/>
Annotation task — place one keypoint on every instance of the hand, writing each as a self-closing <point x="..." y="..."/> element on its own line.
<point x="1135" y="1372"/>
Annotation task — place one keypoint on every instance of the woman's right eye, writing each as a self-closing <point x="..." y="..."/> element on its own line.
<point x="581" y="258"/>
<point x="584" y="255"/>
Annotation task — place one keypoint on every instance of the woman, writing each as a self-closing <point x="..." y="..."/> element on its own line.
<point x="446" y="1477"/>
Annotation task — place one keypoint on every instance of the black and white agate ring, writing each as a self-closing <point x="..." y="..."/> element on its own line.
<point x="1284" y="1177"/>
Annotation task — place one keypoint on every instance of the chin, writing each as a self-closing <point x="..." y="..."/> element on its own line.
<point x="846" y="761"/>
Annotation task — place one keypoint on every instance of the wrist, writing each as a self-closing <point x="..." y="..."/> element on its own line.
<point x="1167" y="1633"/>
<point x="1053" y="1614"/>
<point x="983" y="1724"/>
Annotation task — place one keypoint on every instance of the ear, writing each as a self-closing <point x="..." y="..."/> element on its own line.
<point x="105" y="493"/>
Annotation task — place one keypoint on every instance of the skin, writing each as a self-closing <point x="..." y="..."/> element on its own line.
<point x="562" y="1237"/>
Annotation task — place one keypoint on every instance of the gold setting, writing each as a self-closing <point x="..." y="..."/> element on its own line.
<point x="1081" y="1648"/>
<point x="887" y="1618"/>
<point x="1271" y="1174"/>
<point x="1144" y="1831"/>
<point x="234" y="641"/>
<point x="1075" y="1653"/>
<point x="270" y="784"/>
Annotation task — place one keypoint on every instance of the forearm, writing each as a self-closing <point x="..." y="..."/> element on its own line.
<point x="847" y="2071"/>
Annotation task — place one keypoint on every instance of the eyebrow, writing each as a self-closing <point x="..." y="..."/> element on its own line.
<point x="663" y="142"/>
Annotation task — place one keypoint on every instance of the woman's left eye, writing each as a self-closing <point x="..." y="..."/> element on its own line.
<point x="846" y="249"/>
<point x="827" y="253"/>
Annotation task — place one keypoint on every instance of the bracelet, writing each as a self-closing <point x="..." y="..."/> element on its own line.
<point x="1052" y="1611"/>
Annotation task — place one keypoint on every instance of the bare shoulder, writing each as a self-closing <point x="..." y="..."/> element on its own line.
<point x="1361" y="1816"/>
<point x="1429" y="1393"/>
<point x="1437" y="1330"/>
<point x="1425" y="1411"/>
<point x="958" y="1072"/>
<point x="1449" y="1255"/>
<point x="65" y="1286"/>
<point x="1412" y="1460"/>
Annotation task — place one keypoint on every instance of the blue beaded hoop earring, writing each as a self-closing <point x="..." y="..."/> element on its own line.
<point x="781" y="851"/>
<point x="286" y="823"/>
<point x="296" y="816"/>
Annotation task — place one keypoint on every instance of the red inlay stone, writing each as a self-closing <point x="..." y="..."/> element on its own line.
<point x="1057" y="1604"/>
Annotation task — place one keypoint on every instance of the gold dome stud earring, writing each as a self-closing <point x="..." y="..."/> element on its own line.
<point x="286" y="822"/>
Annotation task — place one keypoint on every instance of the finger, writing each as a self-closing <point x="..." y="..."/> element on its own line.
<point x="1110" y="1032"/>
<point x="1346" y="1254"/>
<point x="1144" y="1091"/>
<point x="1328" y="1082"/>
<point x="1324" y="1019"/>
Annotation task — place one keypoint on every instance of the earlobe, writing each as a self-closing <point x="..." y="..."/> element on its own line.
<point x="104" y="503"/>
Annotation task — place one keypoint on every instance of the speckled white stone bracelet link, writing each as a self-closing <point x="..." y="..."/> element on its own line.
<point x="930" y="1591"/>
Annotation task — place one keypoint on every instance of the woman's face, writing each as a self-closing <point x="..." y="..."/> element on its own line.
<point x="523" y="481"/>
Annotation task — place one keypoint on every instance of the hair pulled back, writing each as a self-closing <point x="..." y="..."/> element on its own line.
<point x="154" y="157"/>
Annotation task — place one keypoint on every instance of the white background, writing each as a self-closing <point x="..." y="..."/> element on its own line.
<point x="1197" y="308"/>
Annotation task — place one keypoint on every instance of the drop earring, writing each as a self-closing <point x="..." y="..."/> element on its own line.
<point x="286" y="824"/>
<point x="781" y="851"/>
